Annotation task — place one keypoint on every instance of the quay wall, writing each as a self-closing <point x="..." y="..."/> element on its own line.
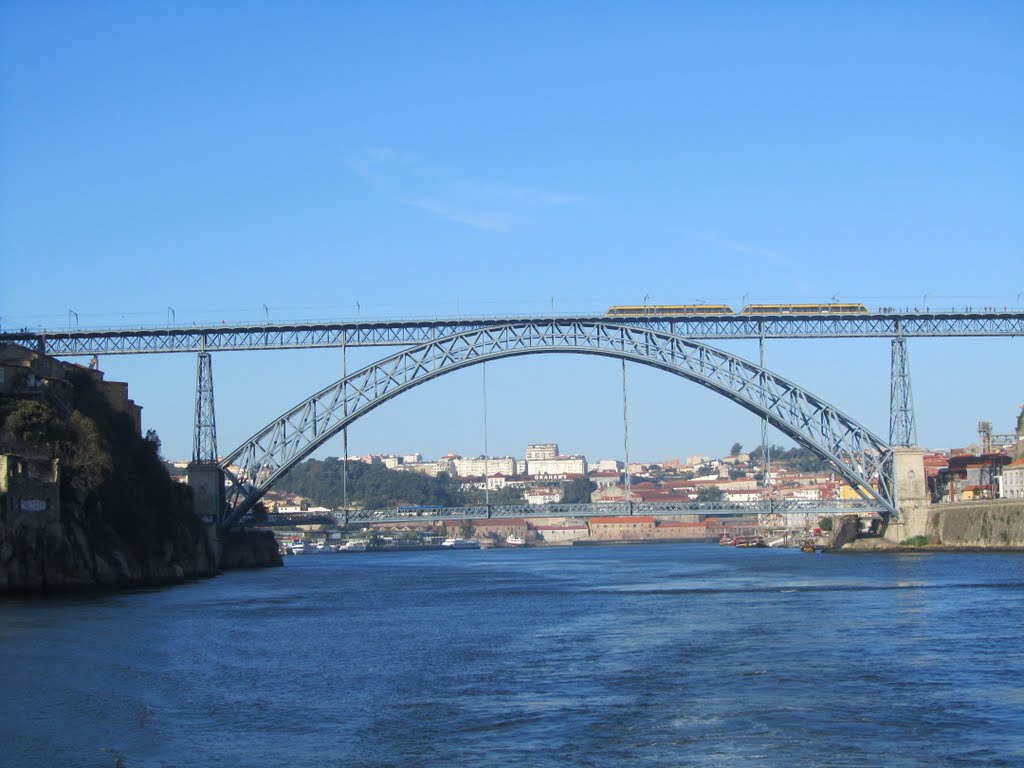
<point x="996" y="524"/>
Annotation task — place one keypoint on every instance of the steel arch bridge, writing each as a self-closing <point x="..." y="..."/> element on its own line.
<point x="854" y="452"/>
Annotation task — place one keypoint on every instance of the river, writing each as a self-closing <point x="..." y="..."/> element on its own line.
<point x="642" y="655"/>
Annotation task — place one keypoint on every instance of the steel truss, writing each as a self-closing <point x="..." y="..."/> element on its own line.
<point x="120" y="341"/>
<point x="902" y="424"/>
<point x="401" y="515"/>
<point x="852" y="450"/>
<point x="204" y="444"/>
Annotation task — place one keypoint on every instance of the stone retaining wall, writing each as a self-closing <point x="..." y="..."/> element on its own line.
<point x="989" y="524"/>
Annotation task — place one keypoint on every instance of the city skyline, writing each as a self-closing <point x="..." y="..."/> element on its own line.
<point x="374" y="162"/>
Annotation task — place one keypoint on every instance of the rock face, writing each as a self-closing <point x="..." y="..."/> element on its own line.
<point x="72" y="553"/>
<point x="249" y="549"/>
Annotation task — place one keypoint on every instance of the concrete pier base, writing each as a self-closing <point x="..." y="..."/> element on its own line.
<point x="207" y="483"/>
<point x="911" y="496"/>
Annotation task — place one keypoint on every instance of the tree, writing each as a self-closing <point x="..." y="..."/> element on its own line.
<point x="736" y="449"/>
<point x="712" y="493"/>
<point x="578" y="490"/>
<point x="33" y="422"/>
<point x="154" y="440"/>
<point x="91" y="459"/>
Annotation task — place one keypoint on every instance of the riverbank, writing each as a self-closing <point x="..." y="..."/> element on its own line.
<point x="876" y="545"/>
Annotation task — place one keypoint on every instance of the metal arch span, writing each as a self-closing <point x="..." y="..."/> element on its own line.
<point x="852" y="450"/>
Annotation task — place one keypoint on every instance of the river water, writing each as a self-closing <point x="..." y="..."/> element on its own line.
<point x="645" y="655"/>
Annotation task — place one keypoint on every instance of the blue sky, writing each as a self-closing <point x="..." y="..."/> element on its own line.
<point x="309" y="160"/>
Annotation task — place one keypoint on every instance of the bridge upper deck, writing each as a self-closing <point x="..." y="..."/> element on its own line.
<point x="369" y="333"/>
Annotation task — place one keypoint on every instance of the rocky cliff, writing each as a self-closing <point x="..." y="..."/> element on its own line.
<point x="85" y="501"/>
<point x="72" y="552"/>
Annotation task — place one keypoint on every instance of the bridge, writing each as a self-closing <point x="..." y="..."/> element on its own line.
<point x="434" y="347"/>
<point x="718" y="509"/>
<point x="382" y="333"/>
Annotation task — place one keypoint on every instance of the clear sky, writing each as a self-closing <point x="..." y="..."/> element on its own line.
<point x="208" y="161"/>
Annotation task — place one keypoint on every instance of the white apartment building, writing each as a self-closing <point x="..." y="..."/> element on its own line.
<point x="607" y="465"/>
<point x="541" y="451"/>
<point x="558" y="466"/>
<point x="480" y="466"/>
<point x="543" y="495"/>
<point x="1013" y="480"/>
<point x="605" y="478"/>
<point x="431" y="468"/>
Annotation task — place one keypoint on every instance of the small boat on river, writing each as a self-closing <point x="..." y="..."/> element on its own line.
<point x="460" y="544"/>
<point x="750" y="542"/>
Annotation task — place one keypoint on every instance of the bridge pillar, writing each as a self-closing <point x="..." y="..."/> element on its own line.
<point x="207" y="483"/>
<point x="205" y="477"/>
<point x="911" y="495"/>
<point x="204" y="443"/>
<point x="902" y="426"/>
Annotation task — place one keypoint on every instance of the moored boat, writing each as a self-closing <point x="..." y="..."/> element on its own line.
<point x="460" y="544"/>
<point x="750" y="542"/>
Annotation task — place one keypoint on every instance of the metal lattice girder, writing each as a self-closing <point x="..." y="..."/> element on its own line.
<point x="902" y="426"/>
<point x="120" y="341"/>
<point x="716" y="508"/>
<point x="204" y="444"/>
<point x="853" y="451"/>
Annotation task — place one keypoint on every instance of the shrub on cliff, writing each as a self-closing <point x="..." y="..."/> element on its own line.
<point x="119" y="476"/>
<point x="30" y="420"/>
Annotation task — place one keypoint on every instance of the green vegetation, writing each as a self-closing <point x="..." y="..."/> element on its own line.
<point x="121" y="475"/>
<point x="373" y="486"/>
<point x="30" y="420"/>
<point x="714" y="493"/>
<point x="109" y="474"/>
<point x="477" y="497"/>
<point x="799" y="459"/>
<point x="825" y="523"/>
<point x="369" y="485"/>
<point x="578" y="490"/>
<point x="916" y="541"/>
